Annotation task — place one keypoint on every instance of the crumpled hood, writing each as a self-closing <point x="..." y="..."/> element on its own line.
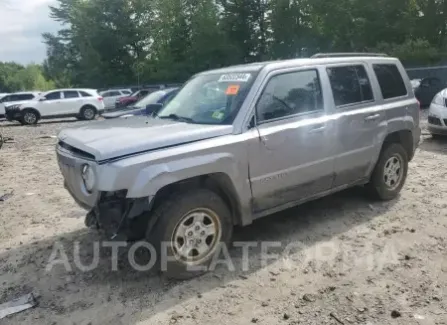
<point x="123" y="136"/>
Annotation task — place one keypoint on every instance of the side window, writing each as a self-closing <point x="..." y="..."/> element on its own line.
<point x="86" y="94"/>
<point x="28" y="96"/>
<point x="105" y="95"/>
<point x="143" y="93"/>
<point x="70" y="94"/>
<point x="126" y="92"/>
<point x="350" y="85"/>
<point x="289" y="94"/>
<point x="390" y="80"/>
<point x="5" y="99"/>
<point x="53" y="96"/>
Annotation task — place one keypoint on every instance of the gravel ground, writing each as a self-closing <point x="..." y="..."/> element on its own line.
<point x="359" y="261"/>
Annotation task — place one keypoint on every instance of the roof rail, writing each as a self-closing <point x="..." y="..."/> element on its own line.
<point x="340" y="55"/>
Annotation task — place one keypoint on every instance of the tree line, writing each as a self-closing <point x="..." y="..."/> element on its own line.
<point x="120" y="42"/>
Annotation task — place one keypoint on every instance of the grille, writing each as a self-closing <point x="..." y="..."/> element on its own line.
<point x="434" y="120"/>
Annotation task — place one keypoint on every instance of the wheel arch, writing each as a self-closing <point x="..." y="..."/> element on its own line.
<point x="220" y="183"/>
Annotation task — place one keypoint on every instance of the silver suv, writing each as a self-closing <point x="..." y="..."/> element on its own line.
<point x="240" y="143"/>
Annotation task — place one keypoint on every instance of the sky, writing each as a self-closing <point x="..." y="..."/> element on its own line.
<point x="22" y="23"/>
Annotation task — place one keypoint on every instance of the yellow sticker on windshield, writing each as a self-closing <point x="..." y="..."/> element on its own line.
<point x="232" y="90"/>
<point x="218" y="115"/>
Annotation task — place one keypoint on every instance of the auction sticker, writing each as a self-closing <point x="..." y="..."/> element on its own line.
<point x="232" y="90"/>
<point x="235" y="77"/>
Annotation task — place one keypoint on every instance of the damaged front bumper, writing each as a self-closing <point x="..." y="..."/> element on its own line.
<point x="121" y="218"/>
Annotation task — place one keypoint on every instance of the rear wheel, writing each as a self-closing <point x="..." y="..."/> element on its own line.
<point x="390" y="172"/>
<point x="29" y="117"/>
<point x="88" y="113"/>
<point x="190" y="230"/>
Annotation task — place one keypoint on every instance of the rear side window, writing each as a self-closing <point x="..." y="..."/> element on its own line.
<point x="125" y="92"/>
<point x="70" y="94"/>
<point x="390" y="80"/>
<point x="85" y="94"/>
<point x="350" y="85"/>
<point x="289" y="94"/>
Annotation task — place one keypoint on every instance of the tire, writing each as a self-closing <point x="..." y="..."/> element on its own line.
<point x="381" y="185"/>
<point x="88" y="113"/>
<point x="29" y="117"/>
<point x="177" y="212"/>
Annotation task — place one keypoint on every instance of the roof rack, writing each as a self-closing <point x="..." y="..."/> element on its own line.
<point x="339" y="55"/>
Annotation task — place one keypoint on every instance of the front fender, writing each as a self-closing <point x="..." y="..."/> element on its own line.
<point x="154" y="177"/>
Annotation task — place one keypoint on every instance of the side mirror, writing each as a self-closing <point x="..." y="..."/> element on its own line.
<point x="153" y="109"/>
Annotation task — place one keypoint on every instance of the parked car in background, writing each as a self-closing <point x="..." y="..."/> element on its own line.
<point x="110" y="96"/>
<point x="16" y="98"/>
<point x="146" y="106"/>
<point x="80" y="103"/>
<point x="427" y="90"/>
<point x="135" y="97"/>
<point x="240" y="143"/>
<point x="437" y="115"/>
<point x="415" y="83"/>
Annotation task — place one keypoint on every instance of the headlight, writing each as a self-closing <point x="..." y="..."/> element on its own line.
<point x="438" y="100"/>
<point x="13" y="106"/>
<point x="88" y="177"/>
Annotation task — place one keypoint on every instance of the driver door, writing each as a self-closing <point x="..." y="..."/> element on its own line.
<point x="51" y="105"/>
<point x="293" y="157"/>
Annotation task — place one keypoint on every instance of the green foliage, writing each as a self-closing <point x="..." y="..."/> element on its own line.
<point x="15" y="77"/>
<point x="117" y="42"/>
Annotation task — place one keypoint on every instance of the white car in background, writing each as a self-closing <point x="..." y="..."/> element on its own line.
<point x="83" y="104"/>
<point x="16" y="98"/>
<point x="437" y="115"/>
<point x="110" y="96"/>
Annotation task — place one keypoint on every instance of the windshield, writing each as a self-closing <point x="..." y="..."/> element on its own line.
<point x="210" y="99"/>
<point x="152" y="98"/>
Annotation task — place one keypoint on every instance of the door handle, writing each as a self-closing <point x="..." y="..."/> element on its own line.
<point x="372" y="117"/>
<point x="318" y="129"/>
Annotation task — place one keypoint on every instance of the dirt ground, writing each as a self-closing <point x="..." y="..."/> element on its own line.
<point x="357" y="262"/>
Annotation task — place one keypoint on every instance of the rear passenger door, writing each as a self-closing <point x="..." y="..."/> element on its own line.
<point x="71" y="103"/>
<point x="358" y="117"/>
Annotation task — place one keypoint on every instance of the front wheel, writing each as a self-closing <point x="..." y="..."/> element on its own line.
<point x="390" y="172"/>
<point x="191" y="230"/>
<point x="29" y="117"/>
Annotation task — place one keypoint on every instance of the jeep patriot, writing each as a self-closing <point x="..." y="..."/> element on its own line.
<point x="239" y="143"/>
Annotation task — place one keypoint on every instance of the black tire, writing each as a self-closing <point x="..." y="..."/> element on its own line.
<point x="87" y="113"/>
<point x="176" y="208"/>
<point x="378" y="186"/>
<point x="29" y="117"/>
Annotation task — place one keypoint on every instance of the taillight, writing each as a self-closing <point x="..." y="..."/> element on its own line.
<point x="100" y="98"/>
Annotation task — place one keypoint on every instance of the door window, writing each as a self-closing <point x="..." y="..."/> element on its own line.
<point x="26" y="96"/>
<point x="71" y="94"/>
<point x="53" y="96"/>
<point x="85" y="94"/>
<point x="350" y="85"/>
<point x="289" y="94"/>
<point x="390" y="80"/>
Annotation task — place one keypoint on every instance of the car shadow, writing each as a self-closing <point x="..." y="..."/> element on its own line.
<point x="68" y="290"/>
<point x="434" y="144"/>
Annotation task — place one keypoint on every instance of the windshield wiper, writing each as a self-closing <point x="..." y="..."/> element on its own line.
<point x="175" y="117"/>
